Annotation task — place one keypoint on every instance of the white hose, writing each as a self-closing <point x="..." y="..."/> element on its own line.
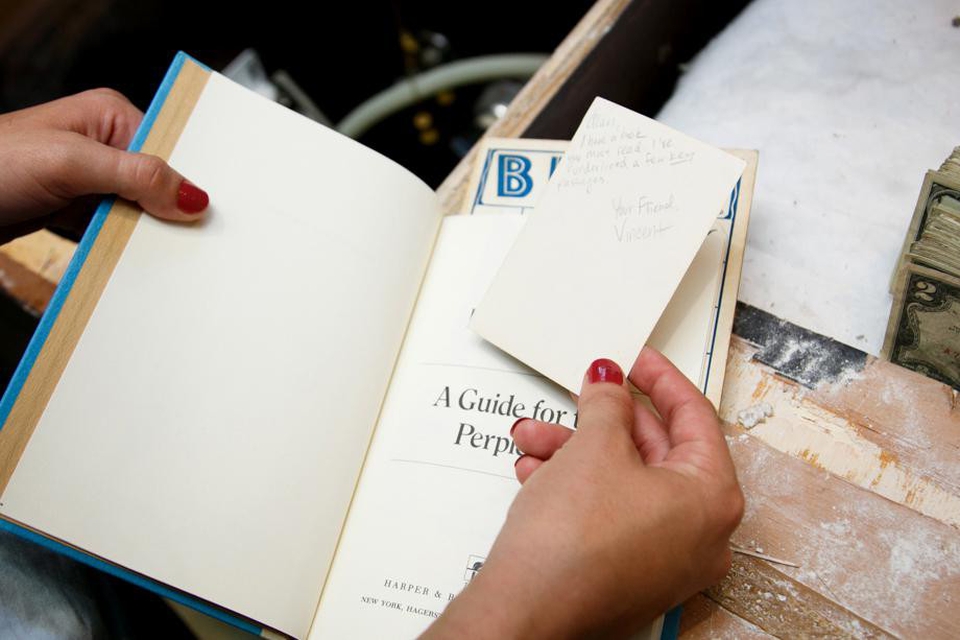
<point x="454" y="74"/>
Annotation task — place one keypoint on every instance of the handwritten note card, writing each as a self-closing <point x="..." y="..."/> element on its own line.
<point x="608" y="243"/>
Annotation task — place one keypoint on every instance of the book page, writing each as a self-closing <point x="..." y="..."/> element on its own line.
<point x="620" y="222"/>
<point x="439" y="476"/>
<point x="210" y="426"/>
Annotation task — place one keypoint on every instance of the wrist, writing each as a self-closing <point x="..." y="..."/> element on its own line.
<point x="493" y="605"/>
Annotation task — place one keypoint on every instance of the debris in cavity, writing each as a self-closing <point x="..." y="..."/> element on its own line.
<point x="749" y="418"/>
<point x="762" y="556"/>
<point x="845" y="376"/>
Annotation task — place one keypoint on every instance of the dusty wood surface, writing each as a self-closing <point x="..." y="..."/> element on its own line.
<point x="31" y="267"/>
<point x="853" y="482"/>
<point x="24" y="285"/>
<point x="704" y="619"/>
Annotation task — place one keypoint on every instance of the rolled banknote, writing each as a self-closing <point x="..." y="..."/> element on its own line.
<point x="940" y="188"/>
<point x="952" y="164"/>
<point x="924" y="329"/>
<point x="939" y="243"/>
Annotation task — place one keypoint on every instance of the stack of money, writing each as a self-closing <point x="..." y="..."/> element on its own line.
<point x="923" y="333"/>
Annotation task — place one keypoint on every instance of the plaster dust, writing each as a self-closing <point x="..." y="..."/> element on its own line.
<point x="849" y="104"/>
<point x="910" y="559"/>
<point x="863" y="554"/>
<point x="751" y="417"/>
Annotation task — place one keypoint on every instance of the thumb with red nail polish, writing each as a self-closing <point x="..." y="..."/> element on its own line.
<point x="57" y="154"/>
<point x="606" y="406"/>
<point x="604" y="370"/>
<point x="191" y="199"/>
<point x="155" y="186"/>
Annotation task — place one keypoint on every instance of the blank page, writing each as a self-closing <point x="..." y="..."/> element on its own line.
<point x="210" y="425"/>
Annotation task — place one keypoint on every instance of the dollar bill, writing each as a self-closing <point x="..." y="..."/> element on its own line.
<point x="940" y="189"/>
<point x="952" y="164"/>
<point x="924" y="329"/>
<point x="939" y="243"/>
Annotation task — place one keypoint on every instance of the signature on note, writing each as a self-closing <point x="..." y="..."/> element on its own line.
<point x="626" y="233"/>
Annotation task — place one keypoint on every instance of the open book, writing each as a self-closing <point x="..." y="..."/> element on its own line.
<point x="279" y="415"/>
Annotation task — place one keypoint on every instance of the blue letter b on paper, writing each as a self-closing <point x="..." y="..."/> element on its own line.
<point x="514" y="172"/>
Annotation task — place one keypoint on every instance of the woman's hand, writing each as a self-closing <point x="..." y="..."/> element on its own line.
<point x="55" y="154"/>
<point x="616" y="522"/>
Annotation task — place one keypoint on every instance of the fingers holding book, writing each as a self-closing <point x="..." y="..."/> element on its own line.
<point x="59" y="153"/>
<point x="635" y="508"/>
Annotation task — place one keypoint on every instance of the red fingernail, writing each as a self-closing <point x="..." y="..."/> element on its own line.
<point x="604" y="370"/>
<point x="191" y="198"/>
<point x="514" y="427"/>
